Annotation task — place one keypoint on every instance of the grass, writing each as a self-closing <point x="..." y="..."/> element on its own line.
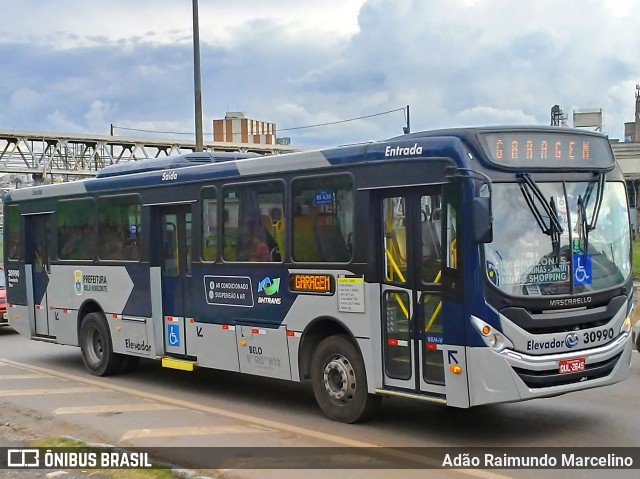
<point x="161" y="473"/>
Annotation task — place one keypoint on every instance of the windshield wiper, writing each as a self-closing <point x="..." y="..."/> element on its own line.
<point x="531" y="193"/>
<point x="588" y="226"/>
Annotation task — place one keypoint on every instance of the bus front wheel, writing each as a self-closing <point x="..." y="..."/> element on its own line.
<point x="339" y="381"/>
<point x="96" y="346"/>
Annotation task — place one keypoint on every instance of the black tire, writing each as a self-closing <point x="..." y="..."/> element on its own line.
<point x="96" y="346"/>
<point x="638" y="341"/>
<point x="334" y="361"/>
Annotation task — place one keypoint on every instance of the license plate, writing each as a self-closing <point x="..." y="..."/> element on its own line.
<point x="575" y="365"/>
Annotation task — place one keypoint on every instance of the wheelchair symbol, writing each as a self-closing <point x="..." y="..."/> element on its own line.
<point x="580" y="274"/>
<point x="174" y="335"/>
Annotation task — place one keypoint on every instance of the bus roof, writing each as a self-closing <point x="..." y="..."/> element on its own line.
<point x="446" y="143"/>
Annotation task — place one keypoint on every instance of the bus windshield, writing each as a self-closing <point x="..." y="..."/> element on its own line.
<point x="593" y="252"/>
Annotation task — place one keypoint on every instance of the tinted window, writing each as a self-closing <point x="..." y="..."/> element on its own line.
<point x="209" y="224"/>
<point x="14" y="236"/>
<point x="253" y="225"/>
<point x="76" y="229"/>
<point x="119" y="228"/>
<point x="323" y="219"/>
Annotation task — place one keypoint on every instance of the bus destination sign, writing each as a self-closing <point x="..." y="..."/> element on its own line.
<point x="548" y="149"/>
<point x="311" y="283"/>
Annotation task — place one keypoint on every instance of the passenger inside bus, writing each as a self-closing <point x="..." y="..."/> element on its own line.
<point x="250" y="245"/>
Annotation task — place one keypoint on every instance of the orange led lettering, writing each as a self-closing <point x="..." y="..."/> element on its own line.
<point x="499" y="149"/>
<point x="514" y="150"/>
<point x="558" y="151"/>
<point x="571" y="155"/>
<point x="529" y="153"/>
<point x="312" y="282"/>
<point x="585" y="150"/>
<point x="544" y="150"/>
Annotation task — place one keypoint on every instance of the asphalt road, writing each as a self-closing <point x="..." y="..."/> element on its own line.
<point x="159" y="407"/>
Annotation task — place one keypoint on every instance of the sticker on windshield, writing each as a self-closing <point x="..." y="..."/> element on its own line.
<point x="492" y="272"/>
<point x="582" y="269"/>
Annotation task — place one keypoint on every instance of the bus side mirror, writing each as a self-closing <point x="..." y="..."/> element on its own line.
<point x="482" y="220"/>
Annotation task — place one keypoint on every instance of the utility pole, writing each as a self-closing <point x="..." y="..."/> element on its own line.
<point x="407" y="129"/>
<point x="197" y="87"/>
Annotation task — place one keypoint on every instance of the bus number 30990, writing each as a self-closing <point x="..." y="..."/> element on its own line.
<point x="596" y="336"/>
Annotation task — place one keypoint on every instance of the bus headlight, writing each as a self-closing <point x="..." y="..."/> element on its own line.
<point x="626" y="325"/>
<point x="491" y="336"/>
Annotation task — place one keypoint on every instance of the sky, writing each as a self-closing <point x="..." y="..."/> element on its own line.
<point x="84" y="65"/>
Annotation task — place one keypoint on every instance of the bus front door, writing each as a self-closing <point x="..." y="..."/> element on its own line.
<point x="175" y="240"/>
<point x="421" y="289"/>
<point x="38" y="229"/>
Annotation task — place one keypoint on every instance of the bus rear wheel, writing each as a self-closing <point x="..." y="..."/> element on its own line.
<point x="96" y="346"/>
<point x="340" y="383"/>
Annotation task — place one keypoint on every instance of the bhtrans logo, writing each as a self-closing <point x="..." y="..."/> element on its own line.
<point x="390" y="151"/>
<point x="269" y="287"/>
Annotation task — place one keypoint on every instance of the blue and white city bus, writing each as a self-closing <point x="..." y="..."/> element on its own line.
<point x="464" y="266"/>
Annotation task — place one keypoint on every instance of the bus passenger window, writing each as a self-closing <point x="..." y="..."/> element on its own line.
<point x="14" y="230"/>
<point x="170" y="265"/>
<point x="323" y="219"/>
<point x="248" y="229"/>
<point x="119" y="228"/>
<point x="76" y="232"/>
<point x="209" y="225"/>
<point x="452" y="252"/>
<point x="394" y="239"/>
<point x="430" y="230"/>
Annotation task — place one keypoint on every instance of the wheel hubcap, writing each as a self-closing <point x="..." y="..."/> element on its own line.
<point x="95" y="348"/>
<point x="339" y="379"/>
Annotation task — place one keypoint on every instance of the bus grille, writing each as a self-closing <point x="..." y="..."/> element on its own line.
<point x="551" y="377"/>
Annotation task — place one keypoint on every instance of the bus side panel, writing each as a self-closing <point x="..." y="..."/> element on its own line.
<point x="70" y="286"/>
<point x="216" y="346"/>
<point x="20" y="319"/>
<point x="263" y="351"/>
<point x="139" y="302"/>
<point x="18" y="287"/>
<point x="64" y="326"/>
<point x="17" y="284"/>
<point x="130" y="336"/>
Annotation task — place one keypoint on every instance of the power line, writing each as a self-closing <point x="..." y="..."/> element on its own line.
<point x="279" y="129"/>
<point x="341" y="121"/>
<point x="155" y="131"/>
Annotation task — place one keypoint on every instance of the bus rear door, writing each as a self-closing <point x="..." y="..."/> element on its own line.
<point x="175" y="239"/>
<point x="38" y="228"/>
<point x="422" y="294"/>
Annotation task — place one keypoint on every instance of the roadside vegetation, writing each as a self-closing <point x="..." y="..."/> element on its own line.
<point x="160" y="473"/>
<point x="636" y="260"/>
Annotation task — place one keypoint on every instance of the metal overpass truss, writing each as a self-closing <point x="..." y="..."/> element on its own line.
<point x="59" y="155"/>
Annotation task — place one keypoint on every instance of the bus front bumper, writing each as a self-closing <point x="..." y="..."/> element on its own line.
<point x="510" y="376"/>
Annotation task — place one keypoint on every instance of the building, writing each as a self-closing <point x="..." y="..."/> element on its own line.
<point x="632" y="128"/>
<point x="238" y="129"/>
